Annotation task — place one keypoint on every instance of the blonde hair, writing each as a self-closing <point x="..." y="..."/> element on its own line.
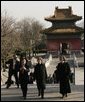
<point x="40" y="58"/>
<point x="62" y="57"/>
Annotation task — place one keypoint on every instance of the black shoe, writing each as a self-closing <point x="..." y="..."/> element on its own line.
<point x="39" y="94"/>
<point x="8" y="86"/>
<point x="17" y="86"/>
<point x="24" y="98"/>
<point x="65" y="95"/>
<point x="42" y="97"/>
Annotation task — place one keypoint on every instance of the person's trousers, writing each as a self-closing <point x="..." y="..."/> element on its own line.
<point x="41" y="92"/>
<point x="24" y="89"/>
<point x="15" y="75"/>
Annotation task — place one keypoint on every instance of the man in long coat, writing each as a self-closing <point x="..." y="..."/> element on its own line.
<point x="63" y="70"/>
<point x="13" y="70"/>
<point x="40" y="75"/>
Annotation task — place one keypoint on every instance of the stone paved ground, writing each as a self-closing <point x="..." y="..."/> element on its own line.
<point x="51" y="93"/>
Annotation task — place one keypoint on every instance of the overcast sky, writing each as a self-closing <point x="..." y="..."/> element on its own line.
<point x="39" y="9"/>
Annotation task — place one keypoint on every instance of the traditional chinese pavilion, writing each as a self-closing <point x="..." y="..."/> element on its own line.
<point x="63" y="36"/>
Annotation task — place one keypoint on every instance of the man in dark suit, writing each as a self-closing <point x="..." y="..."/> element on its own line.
<point x="13" y="70"/>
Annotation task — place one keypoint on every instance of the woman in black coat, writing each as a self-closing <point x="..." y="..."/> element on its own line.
<point x="23" y="79"/>
<point x="63" y="70"/>
<point x="40" y="76"/>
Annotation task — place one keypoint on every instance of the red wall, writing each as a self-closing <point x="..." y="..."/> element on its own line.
<point x="75" y="44"/>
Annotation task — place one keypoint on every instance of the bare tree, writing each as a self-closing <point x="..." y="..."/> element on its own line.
<point x="7" y="24"/>
<point x="9" y="36"/>
<point x="24" y="34"/>
<point x="29" y="33"/>
<point x="36" y="35"/>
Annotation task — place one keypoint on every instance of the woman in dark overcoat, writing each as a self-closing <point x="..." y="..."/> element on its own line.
<point x="63" y="70"/>
<point x="40" y="75"/>
<point x="23" y="79"/>
<point x="25" y="62"/>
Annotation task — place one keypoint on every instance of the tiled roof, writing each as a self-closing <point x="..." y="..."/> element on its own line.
<point x="62" y="30"/>
<point x="53" y="18"/>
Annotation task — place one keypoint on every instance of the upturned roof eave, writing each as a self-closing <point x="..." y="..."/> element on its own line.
<point x="50" y="32"/>
<point x="63" y="19"/>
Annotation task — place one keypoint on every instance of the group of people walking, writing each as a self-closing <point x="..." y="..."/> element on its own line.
<point x="40" y="75"/>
